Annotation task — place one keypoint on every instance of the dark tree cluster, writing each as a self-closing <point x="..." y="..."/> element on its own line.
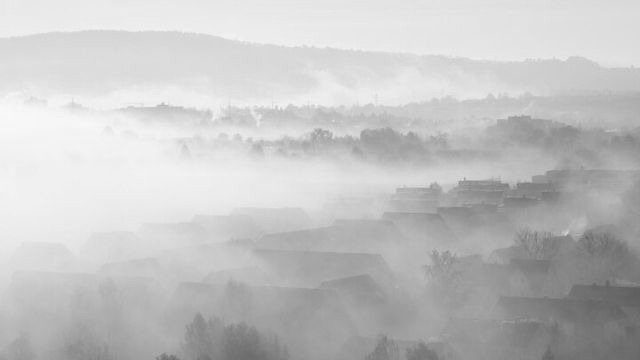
<point x="214" y="340"/>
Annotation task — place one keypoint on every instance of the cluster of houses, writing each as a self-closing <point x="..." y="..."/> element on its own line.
<point x="328" y="285"/>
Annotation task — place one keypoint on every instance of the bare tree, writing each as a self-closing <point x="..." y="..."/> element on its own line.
<point x="444" y="277"/>
<point x="386" y="349"/>
<point x="215" y="340"/>
<point x="20" y="349"/>
<point x="607" y="255"/>
<point x="421" y="352"/>
<point x="165" y="356"/>
<point x="535" y="243"/>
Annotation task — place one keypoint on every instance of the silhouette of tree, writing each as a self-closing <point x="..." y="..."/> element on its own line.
<point x="535" y="243"/>
<point x="215" y="340"/>
<point x="198" y="343"/>
<point x="165" y="356"/>
<point x="607" y="255"/>
<point x="20" y="349"/>
<point x="421" y="352"/>
<point x="444" y="278"/>
<point x="385" y="349"/>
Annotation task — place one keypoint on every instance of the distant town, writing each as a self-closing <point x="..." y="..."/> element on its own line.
<point x="486" y="270"/>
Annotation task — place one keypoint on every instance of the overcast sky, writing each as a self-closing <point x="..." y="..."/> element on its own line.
<point x="607" y="31"/>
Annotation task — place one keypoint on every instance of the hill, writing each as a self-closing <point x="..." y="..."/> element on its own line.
<point x="102" y="62"/>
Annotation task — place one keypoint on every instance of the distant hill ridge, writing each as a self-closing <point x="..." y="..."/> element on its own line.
<point x="100" y="62"/>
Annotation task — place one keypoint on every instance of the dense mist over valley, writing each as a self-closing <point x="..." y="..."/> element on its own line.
<point x="179" y="196"/>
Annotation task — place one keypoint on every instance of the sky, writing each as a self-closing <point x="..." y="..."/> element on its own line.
<point x="605" y="31"/>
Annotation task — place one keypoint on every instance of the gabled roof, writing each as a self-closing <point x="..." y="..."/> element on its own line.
<point x="168" y="235"/>
<point x="146" y="267"/>
<point x="506" y="254"/>
<point x="310" y="268"/>
<point x="276" y="219"/>
<point x="344" y="235"/>
<point x="520" y="202"/>
<point x="569" y="310"/>
<point x="362" y="289"/>
<point x="229" y="226"/>
<point x="619" y="295"/>
<point x="245" y="275"/>
<point x="112" y="245"/>
<point x="42" y="255"/>
<point x="422" y="225"/>
<point x="552" y="246"/>
<point x="531" y="266"/>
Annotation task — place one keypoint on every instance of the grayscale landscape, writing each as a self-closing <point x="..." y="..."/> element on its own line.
<point x="319" y="180"/>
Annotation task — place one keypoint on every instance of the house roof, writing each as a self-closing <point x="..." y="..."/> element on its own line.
<point x="569" y="310"/>
<point x="229" y="226"/>
<point x="506" y="254"/>
<point x="311" y="268"/>
<point x="246" y="275"/>
<point x="344" y="235"/>
<point x="276" y="219"/>
<point x="423" y="225"/>
<point x="625" y="296"/>
<point x="358" y="288"/>
<point x="42" y="255"/>
<point x="168" y="235"/>
<point x="531" y="266"/>
<point x="112" y="245"/>
<point x="146" y="267"/>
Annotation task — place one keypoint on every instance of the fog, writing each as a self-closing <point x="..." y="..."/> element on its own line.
<point x="185" y="199"/>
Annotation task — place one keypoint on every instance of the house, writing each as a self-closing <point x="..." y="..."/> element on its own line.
<point x="587" y="328"/>
<point x="521" y="277"/>
<point x="112" y="246"/>
<point x="497" y="280"/>
<point x="357" y="289"/>
<point x="251" y="275"/>
<point x="476" y="222"/>
<point x="352" y="206"/>
<point x="414" y="199"/>
<point x="273" y="220"/>
<point x="145" y="267"/>
<point x="506" y="254"/>
<point x="468" y="197"/>
<point x="627" y="297"/>
<point x="519" y="203"/>
<point x="537" y="272"/>
<point x="46" y="256"/>
<point x="311" y="268"/>
<point x="422" y="228"/>
<point x="161" y="236"/>
<point x="345" y="235"/>
<point x="197" y="261"/>
<point x="550" y="248"/>
<point x="532" y="189"/>
<point x="482" y="185"/>
<point x="418" y="205"/>
<point x="575" y="311"/>
<point x="228" y="227"/>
